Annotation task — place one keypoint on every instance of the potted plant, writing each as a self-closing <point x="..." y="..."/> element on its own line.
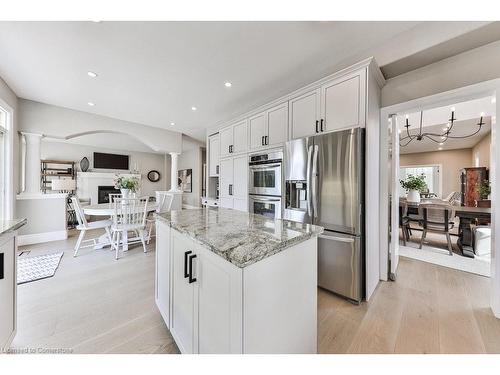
<point x="413" y="186"/>
<point x="126" y="185"/>
<point x="484" y="190"/>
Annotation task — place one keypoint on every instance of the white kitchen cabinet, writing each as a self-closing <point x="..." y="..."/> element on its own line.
<point x="8" y="286"/>
<point x="206" y="299"/>
<point x="163" y="259"/>
<point x="304" y="112"/>
<point x="269" y="128"/>
<point x="218" y="294"/>
<point x="240" y="137"/>
<point x="240" y="177"/>
<point x="226" y="182"/>
<point x="214" y="155"/>
<point x="182" y="322"/>
<point x="343" y="103"/>
<point x="234" y="139"/>
<point x="234" y="182"/>
<point x="257" y="125"/>
<point x="277" y="125"/>
<point x="226" y="141"/>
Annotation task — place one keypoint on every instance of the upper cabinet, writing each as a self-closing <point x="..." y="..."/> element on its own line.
<point x="214" y="150"/>
<point x="234" y="139"/>
<point x="269" y="128"/>
<point x="343" y="103"/>
<point x="304" y="114"/>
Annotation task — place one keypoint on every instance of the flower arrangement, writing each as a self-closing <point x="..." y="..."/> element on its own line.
<point x="130" y="183"/>
<point x="414" y="183"/>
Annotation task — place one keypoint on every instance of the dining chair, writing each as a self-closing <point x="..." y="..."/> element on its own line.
<point x="129" y="215"/>
<point x="84" y="226"/>
<point x="164" y="201"/>
<point x="112" y="197"/>
<point x="404" y="221"/>
<point x="437" y="218"/>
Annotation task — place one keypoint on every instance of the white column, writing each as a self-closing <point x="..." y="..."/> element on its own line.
<point x="32" y="163"/>
<point x="173" y="172"/>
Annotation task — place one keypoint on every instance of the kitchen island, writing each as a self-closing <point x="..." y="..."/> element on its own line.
<point x="8" y="281"/>
<point x="232" y="282"/>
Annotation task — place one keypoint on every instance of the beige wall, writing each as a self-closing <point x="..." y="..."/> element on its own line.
<point x="464" y="69"/>
<point x="481" y="152"/>
<point x="452" y="161"/>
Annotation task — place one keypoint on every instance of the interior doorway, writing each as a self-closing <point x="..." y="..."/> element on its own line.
<point x="415" y="131"/>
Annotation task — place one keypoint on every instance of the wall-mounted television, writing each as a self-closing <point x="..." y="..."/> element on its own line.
<point x="110" y="161"/>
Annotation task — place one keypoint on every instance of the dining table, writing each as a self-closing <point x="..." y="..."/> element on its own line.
<point x="107" y="210"/>
<point x="467" y="217"/>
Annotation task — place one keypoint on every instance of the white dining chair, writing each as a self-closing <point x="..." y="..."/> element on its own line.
<point x="112" y="197"/>
<point x="164" y="201"/>
<point x="129" y="215"/>
<point x="84" y="226"/>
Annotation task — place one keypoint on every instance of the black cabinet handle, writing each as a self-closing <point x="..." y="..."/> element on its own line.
<point x="191" y="278"/>
<point x="266" y="140"/>
<point x="321" y="127"/>
<point x="262" y="141"/>
<point x="317" y="126"/>
<point x="2" y="266"/>
<point x="186" y="274"/>
<point x="217" y="169"/>
<point x="230" y="189"/>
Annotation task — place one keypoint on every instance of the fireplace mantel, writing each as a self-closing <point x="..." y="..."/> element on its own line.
<point x="88" y="183"/>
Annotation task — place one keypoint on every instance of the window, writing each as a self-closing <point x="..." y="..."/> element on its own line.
<point x="431" y="173"/>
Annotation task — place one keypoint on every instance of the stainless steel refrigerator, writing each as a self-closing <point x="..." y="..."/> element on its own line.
<point x="324" y="180"/>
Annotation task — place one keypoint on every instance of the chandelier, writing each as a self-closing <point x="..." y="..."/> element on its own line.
<point x="436" y="137"/>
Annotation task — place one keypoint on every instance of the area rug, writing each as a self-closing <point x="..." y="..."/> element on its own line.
<point x="37" y="267"/>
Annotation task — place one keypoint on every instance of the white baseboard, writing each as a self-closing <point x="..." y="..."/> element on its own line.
<point x="30" y="239"/>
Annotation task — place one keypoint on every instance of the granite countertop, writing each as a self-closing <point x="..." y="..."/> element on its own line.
<point x="239" y="237"/>
<point x="11" y="225"/>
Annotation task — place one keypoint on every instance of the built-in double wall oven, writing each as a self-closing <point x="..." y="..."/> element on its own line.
<point x="265" y="181"/>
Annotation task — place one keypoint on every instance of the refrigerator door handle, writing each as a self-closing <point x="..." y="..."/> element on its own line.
<point x="339" y="239"/>
<point x="308" y="182"/>
<point x="315" y="180"/>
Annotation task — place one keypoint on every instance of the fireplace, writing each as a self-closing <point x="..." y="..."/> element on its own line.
<point x="103" y="193"/>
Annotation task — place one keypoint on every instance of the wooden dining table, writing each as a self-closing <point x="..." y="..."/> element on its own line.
<point x="107" y="210"/>
<point x="467" y="216"/>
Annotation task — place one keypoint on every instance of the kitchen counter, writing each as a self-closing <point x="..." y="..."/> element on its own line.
<point x="11" y="225"/>
<point x="239" y="237"/>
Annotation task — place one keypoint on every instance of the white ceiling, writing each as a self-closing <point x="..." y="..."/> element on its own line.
<point x="154" y="72"/>
<point x="435" y="120"/>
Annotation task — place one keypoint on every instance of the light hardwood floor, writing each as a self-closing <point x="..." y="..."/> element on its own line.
<point x="95" y="304"/>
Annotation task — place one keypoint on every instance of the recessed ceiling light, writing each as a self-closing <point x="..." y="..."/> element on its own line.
<point x="441" y="143"/>
<point x="91" y="74"/>
<point x="172" y="123"/>
<point x="440" y="148"/>
<point x="91" y="104"/>
<point x="445" y="129"/>
<point x="228" y="84"/>
<point x="494" y="99"/>
<point x="193" y="108"/>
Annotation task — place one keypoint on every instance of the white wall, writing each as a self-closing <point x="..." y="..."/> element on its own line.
<point x="477" y="65"/>
<point x="146" y="162"/>
<point x="61" y="122"/>
<point x="9" y="97"/>
<point x="192" y="158"/>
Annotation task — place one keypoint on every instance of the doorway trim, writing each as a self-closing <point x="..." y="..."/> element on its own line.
<point x="479" y="90"/>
